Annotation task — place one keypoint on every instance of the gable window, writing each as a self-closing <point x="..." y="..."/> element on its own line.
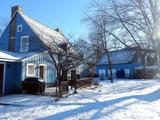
<point x="19" y="28"/>
<point x="24" y="43"/>
<point x="30" y="69"/>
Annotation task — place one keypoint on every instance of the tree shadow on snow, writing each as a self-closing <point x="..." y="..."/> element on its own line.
<point x="151" y="97"/>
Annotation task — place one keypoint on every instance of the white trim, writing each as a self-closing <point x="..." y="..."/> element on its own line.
<point x="4" y="76"/>
<point x="18" y="26"/>
<point x="26" y="36"/>
<point x="45" y="71"/>
<point x="29" y="64"/>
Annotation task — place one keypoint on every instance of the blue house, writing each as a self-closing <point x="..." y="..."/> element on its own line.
<point x="124" y="61"/>
<point x="23" y="51"/>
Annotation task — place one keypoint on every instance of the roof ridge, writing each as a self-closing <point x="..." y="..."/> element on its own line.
<point x="39" y="22"/>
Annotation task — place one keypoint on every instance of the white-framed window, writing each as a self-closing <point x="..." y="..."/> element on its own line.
<point x="19" y="28"/>
<point x="30" y="69"/>
<point x="24" y="43"/>
<point x="127" y="72"/>
<point x="42" y="71"/>
<point x="102" y="73"/>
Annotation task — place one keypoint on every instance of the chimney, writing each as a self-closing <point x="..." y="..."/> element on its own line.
<point x="14" y="9"/>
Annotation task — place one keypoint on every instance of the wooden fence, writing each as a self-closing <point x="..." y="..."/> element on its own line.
<point x="84" y="82"/>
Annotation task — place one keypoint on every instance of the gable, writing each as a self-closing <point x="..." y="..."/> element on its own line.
<point x="34" y="43"/>
<point x="40" y="35"/>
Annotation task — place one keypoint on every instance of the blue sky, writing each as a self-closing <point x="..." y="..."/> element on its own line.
<point x="65" y="14"/>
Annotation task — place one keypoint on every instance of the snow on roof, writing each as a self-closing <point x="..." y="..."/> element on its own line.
<point x="117" y="57"/>
<point x="46" y="34"/>
<point x="14" y="56"/>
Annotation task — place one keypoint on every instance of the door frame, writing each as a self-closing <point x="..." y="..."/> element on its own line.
<point x="44" y="72"/>
<point x="4" y="76"/>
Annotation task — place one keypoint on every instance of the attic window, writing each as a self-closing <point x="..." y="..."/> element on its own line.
<point x="19" y="28"/>
<point x="24" y="43"/>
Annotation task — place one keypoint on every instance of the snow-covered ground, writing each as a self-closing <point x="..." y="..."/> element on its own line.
<point x="123" y="100"/>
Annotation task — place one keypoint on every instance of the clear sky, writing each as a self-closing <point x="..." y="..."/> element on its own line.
<point x="65" y="14"/>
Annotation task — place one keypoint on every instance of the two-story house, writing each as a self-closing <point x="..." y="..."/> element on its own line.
<point x="22" y="51"/>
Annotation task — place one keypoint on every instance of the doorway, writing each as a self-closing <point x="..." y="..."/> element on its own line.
<point x="1" y="78"/>
<point x="42" y="72"/>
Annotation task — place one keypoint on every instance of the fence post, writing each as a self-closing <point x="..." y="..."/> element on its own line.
<point x="74" y="80"/>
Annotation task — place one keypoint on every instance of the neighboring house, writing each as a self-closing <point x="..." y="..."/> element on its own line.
<point x="124" y="61"/>
<point x="23" y="51"/>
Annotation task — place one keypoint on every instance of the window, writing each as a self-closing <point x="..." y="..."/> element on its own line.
<point x="127" y="72"/>
<point x="19" y="28"/>
<point x="102" y="73"/>
<point x="42" y="71"/>
<point x="30" y="69"/>
<point x="24" y="43"/>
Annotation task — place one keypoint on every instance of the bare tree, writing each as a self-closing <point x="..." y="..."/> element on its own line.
<point x="100" y="39"/>
<point x="62" y="55"/>
<point x="3" y="25"/>
<point x="125" y="23"/>
<point x="129" y="23"/>
<point x="87" y="49"/>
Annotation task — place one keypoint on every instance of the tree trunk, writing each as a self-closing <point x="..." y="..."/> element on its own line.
<point x="110" y="67"/>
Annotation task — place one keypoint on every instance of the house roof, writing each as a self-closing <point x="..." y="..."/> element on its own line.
<point x="50" y="37"/>
<point x="117" y="57"/>
<point x="46" y="34"/>
<point x="14" y="56"/>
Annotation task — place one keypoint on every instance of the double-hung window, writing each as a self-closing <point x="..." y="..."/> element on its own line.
<point x="24" y="43"/>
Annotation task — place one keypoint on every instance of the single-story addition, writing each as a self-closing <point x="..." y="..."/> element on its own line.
<point x="124" y="61"/>
<point x="23" y="51"/>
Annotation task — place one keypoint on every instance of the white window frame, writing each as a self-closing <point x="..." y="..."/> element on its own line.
<point x="18" y="26"/>
<point x="30" y="75"/>
<point x="21" y="49"/>
<point x="127" y="72"/>
<point x="102" y="72"/>
<point x="44" y="65"/>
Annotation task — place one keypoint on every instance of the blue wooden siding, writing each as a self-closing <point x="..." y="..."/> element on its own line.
<point x="4" y="39"/>
<point x="50" y="72"/>
<point x="117" y="67"/>
<point x="12" y="78"/>
<point x="34" y="43"/>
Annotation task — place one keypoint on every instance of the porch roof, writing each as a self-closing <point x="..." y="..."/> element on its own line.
<point x="14" y="56"/>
